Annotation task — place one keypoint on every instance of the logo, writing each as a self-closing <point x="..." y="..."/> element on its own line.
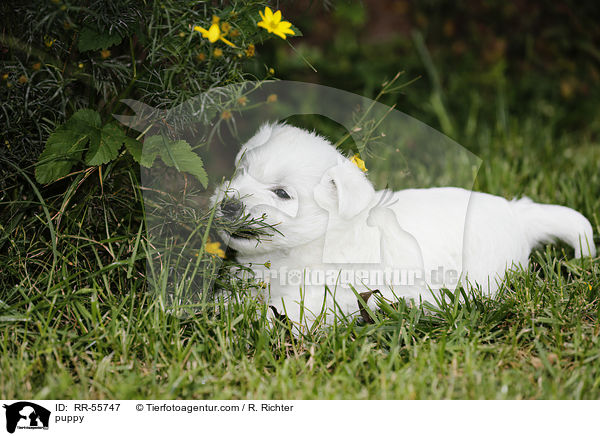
<point x="26" y="415"/>
<point x="350" y="220"/>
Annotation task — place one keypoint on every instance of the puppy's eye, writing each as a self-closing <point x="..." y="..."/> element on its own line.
<point x="281" y="193"/>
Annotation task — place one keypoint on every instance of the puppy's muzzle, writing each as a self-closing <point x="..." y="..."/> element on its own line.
<point x="231" y="208"/>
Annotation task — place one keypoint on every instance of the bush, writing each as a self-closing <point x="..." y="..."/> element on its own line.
<point x="66" y="69"/>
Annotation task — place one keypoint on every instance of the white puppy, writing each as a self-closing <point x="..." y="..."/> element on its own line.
<point x="336" y="236"/>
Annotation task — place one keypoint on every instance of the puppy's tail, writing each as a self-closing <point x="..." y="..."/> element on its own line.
<point x="547" y="222"/>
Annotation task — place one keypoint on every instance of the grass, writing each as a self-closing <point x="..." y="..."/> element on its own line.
<point x="540" y="341"/>
<point x="77" y="319"/>
<point x="92" y="332"/>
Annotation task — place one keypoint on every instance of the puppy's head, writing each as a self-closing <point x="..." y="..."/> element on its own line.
<point x="295" y="181"/>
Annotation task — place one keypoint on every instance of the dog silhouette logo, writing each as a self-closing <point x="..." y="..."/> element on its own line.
<point x="26" y="415"/>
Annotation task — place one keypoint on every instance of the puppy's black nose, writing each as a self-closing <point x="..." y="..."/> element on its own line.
<point x="231" y="207"/>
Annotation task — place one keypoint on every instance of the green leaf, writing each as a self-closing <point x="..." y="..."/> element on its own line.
<point x="91" y="39"/>
<point x="65" y="146"/>
<point x="134" y="148"/>
<point x="178" y="154"/>
<point x="107" y="148"/>
<point x="63" y="149"/>
<point x="84" y="120"/>
<point x="181" y="156"/>
<point x="151" y="148"/>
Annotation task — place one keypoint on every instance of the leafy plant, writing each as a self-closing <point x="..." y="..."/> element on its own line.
<point x="82" y="132"/>
<point x="176" y="154"/>
<point x="65" y="69"/>
<point x="62" y="58"/>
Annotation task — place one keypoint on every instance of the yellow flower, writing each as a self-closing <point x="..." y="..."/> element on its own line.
<point x="250" y="50"/>
<point x="272" y="98"/>
<point x="49" y="41"/>
<point x="356" y="160"/>
<point x="271" y="71"/>
<point x="36" y="66"/>
<point x="201" y="57"/>
<point x="242" y="101"/>
<point x="213" y="34"/>
<point x="215" y="249"/>
<point x="226" y="115"/>
<point x="105" y="53"/>
<point x="5" y="76"/>
<point x="22" y="79"/>
<point x="225" y="28"/>
<point x="273" y="24"/>
<point x="80" y="65"/>
<point x="218" y="52"/>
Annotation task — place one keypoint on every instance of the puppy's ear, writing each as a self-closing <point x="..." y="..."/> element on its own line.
<point x="349" y="188"/>
<point x="261" y="137"/>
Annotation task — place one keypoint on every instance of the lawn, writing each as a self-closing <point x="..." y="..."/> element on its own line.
<point x="111" y="339"/>
<point x="79" y="320"/>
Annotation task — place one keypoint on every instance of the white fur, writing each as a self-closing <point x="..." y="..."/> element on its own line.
<point x="336" y="221"/>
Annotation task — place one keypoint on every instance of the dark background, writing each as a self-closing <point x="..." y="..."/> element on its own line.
<point x="492" y="62"/>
